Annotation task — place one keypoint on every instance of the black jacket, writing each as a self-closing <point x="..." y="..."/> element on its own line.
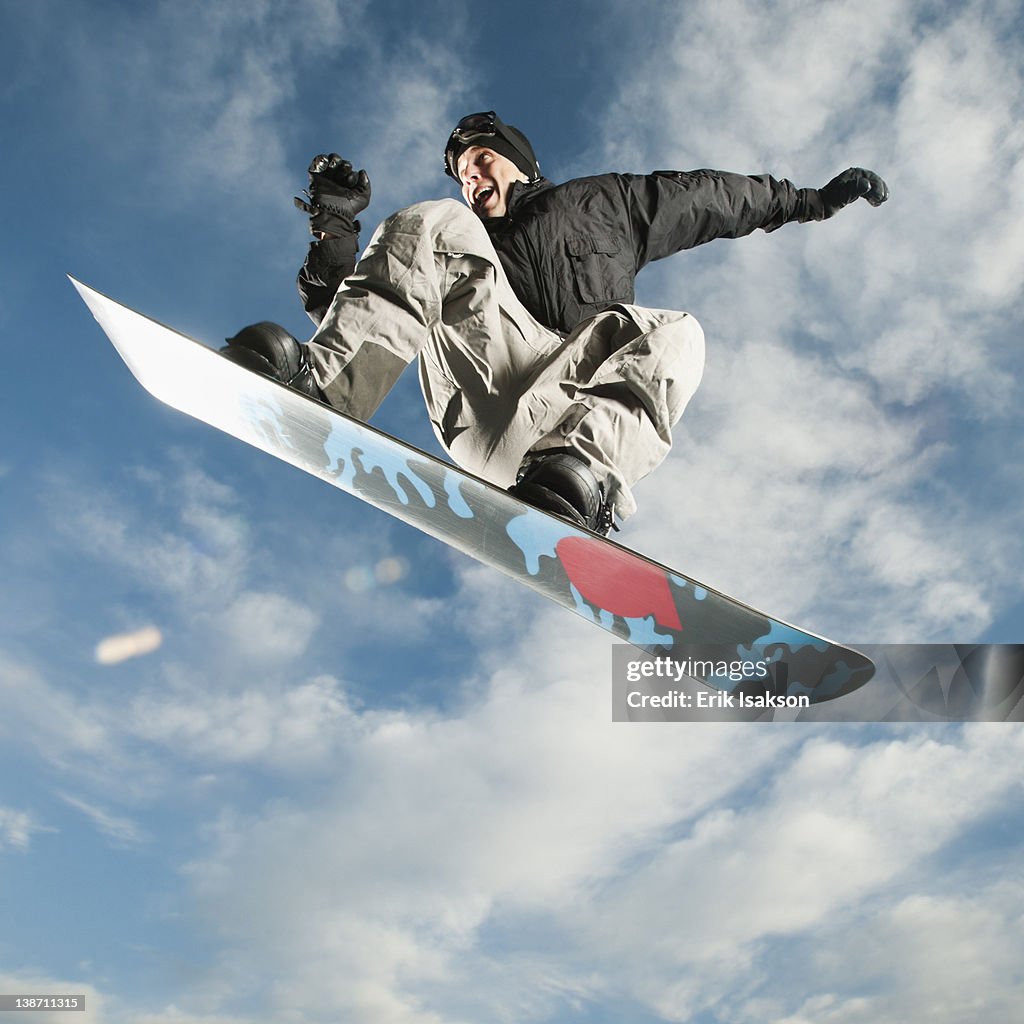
<point x="573" y="249"/>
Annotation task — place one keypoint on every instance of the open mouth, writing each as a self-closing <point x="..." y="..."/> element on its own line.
<point x="483" y="196"/>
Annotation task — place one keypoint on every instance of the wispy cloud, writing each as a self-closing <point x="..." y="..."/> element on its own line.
<point x="49" y="719"/>
<point x="200" y="556"/>
<point x="118" y="828"/>
<point x="301" y="726"/>
<point x="268" y="626"/>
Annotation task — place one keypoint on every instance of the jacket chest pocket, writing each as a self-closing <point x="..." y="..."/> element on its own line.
<point x="596" y="262"/>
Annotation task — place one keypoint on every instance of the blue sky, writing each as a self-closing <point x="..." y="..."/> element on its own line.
<point x="363" y="779"/>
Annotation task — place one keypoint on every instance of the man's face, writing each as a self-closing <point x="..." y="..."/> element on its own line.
<point x="486" y="178"/>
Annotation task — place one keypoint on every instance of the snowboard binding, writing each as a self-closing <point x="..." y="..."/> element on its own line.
<point x="269" y="349"/>
<point x="562" y="483"/>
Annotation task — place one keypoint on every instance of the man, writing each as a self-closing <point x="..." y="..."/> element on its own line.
<point x="539" y="372"/>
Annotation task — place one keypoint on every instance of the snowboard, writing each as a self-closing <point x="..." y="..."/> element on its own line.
<point x="654" y="608"/>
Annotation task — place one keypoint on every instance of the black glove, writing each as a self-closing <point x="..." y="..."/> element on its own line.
<point x="337" y="194"/>
<point x="843" y="189"/>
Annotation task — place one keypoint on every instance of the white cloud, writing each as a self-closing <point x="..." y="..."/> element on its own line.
<point x="16" y="829"/>
<point x="291" y="727"/>
<point x="838" y="824"/>
<point x="930" y="348"/>
<point x="199" y="556"/>
<point x="739" y="84"/>
<point x="207" y="86"/>
<point x="50" y="719"/>
<point x="804" y="500"/>
<point x="183" y="535"/>
<point x="264" y="626"/>
<point x="948" y="958"/>
<point x="930" y="955"/>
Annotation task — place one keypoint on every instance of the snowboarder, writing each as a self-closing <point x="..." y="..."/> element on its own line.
<point x="539" y="372"/>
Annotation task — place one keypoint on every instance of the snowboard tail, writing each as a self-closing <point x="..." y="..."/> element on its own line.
<point x="635" y="599"/>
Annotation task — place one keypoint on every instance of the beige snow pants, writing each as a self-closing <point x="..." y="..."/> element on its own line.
<point x="498" y="385"/>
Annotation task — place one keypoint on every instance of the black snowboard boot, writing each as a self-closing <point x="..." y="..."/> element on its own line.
<point x="561" y="482"/>
<point x="269" y="349"/>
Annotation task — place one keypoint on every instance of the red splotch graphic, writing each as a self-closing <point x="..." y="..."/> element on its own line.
<point x="618" y="582"/>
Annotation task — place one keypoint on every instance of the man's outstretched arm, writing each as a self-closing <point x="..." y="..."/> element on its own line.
<point x="676" y="210"/>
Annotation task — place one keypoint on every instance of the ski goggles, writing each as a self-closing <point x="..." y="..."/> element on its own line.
<point x="470" y="128"/>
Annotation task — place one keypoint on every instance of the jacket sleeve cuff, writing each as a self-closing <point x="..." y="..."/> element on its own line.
<point x="333" y="252"/>
<point x="809" y="206"/>
<point x="328" y="263"/>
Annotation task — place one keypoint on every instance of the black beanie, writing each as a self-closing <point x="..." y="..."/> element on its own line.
<point x="506" y="140"/>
